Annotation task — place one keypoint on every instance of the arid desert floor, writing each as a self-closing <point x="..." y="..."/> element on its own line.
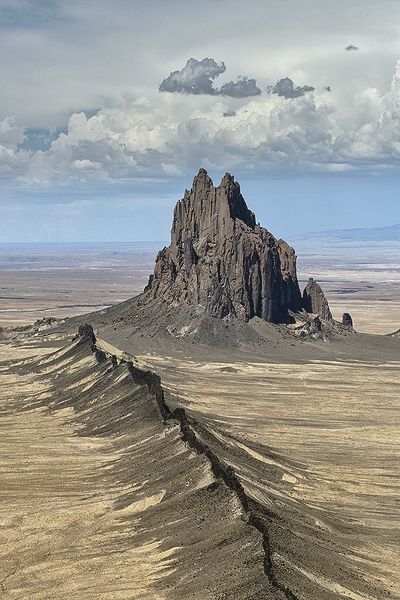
<point x="102" y="498"/>
<point x="61" y="280"/>
<point x="70" y="279"/>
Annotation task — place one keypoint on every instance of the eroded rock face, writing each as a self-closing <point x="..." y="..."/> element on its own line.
<point x="222" y="261"/>
<point x="347" y="320"/>
<point x="314" y="300"/>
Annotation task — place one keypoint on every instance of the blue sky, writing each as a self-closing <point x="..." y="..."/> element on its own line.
<point x="91" y="149"/>
<point x="287" y="207"/>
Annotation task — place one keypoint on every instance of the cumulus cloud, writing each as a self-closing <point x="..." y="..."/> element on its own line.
<point x="166" y="135"/>
<point x="242" y="88"/>
<point x="196" y="77"/>
<point x="13" y="161"/>
<point x="351" y="48"/>
<point x="285" y="87"/>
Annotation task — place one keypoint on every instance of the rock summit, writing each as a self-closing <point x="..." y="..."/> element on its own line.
<point x="221" y="261"/>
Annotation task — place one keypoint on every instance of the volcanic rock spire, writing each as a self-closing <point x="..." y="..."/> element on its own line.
<point x="221" y="261"/>
<point x="314" y="300"/>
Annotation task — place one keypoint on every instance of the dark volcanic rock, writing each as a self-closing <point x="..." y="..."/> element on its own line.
<point x="86" y="332"/>
<point x="314" y="300"/>
<point x="347" y="320"/>
<point x="222" y="261"/>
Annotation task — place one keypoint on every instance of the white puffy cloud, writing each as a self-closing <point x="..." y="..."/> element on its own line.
<point x="169" y="135"/>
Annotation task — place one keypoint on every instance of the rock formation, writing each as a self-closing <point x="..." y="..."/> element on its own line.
<point x="347" y="320"/>
<point x="314" y="300"/>
<point x="221" y="261"/>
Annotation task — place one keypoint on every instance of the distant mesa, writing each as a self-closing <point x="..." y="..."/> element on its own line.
<point x="390" y="233"/>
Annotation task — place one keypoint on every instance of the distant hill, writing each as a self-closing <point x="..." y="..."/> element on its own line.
<point x="376" y="234"/>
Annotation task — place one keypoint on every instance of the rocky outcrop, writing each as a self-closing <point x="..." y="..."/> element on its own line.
<point x="221" y="261"/>
<point x="314" y="300"/>
<point x="347" y="321"/>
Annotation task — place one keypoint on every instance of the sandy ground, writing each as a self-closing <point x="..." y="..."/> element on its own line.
<point x="100" y="500"/>
<point x="324" y="435"/>
<point x="57" y="526"/>
<point x="362" y="279"/>
<point x="39" y="281"/>
<point x="312" y="430"/>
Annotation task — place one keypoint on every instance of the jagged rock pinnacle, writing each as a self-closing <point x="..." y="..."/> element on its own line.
<point x="221" y="261"/>
<point x="314" y="300"/>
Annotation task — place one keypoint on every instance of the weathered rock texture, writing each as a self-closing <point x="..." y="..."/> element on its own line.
<point x="222" y="261"/>
<point x="347" y="320"/>
<point x="314" y="300"/>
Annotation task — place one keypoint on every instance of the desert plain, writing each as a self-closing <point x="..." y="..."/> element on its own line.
<point x="101" y="498"/>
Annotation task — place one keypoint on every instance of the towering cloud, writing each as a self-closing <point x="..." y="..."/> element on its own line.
<point x="196" y="77"/>
<point x="286" y="88"/>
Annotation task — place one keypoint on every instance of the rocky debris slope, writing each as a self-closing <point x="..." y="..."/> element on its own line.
<point x="221" y="261"/>
<point x="314" y="300"/>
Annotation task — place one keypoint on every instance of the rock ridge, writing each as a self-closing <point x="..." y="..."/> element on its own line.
<point x="254" y="514"/>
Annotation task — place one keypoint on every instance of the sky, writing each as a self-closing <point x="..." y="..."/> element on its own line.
<point x="109" y="108"/>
